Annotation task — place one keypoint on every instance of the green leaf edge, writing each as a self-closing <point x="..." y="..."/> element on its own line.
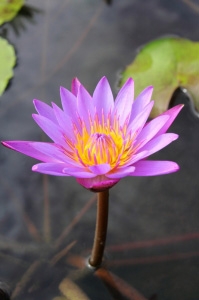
<point x="11" y="61"/>
<point x="177" y="60"/>
<point x="12" y="10"/>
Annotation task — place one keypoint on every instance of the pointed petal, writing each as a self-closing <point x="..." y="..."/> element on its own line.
<point x="157" y="144"/>
<point x="50" y="169"/>
<point x="150" y="130"/>
<point x="85" y="97"/>
<point x="51" y="129"/>
<point x="136" y="157"/>
<point x="139" y="121"/>
<point x="44" y="110"/>
<point x="75" y="86"/>
<point x="141" y="101"/>
<point x="103" y="98"/>
<point x="121" y="172"/>
<point x="54" y="151"/>
<point x="172" y="113"/>
<point x="69" y="103"/>
<point x="64" y="121"/>
<point x="28" y="148"/>
<point x="100" y="169"/>
<point x="124" y="101"/>
<point x="85" y="106"/>
<point x="152" y="168"/>
<point x="79" y="172"/>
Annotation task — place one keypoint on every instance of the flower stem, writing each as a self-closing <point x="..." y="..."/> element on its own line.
<point x="100" y="229"/>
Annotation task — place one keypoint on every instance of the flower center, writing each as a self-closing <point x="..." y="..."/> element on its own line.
<point x="99" y="149"/>
<point x="103" y="142"/>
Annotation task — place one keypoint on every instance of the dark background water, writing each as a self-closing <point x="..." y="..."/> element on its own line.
<point x="153" y="221"/>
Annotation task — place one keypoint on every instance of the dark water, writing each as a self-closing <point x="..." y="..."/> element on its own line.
<point x="153" y="236"/>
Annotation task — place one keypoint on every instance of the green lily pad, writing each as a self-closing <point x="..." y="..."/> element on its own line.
<point x="167" y="63"/>
<point x="7" y="62"/>
<point x="9" y="9"/>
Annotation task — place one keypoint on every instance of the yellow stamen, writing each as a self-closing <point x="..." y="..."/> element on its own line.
<point x="105" y="142"/>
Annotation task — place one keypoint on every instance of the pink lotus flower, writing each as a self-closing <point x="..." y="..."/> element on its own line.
<point x="99" y="141"/>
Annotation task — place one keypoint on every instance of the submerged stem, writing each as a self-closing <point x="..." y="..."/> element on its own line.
<point x="100" y="229"/>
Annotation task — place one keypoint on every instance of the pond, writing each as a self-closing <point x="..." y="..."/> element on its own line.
<point x="47" y="223"/>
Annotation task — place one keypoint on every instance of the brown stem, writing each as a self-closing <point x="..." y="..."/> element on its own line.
<point x="100" y="229"/>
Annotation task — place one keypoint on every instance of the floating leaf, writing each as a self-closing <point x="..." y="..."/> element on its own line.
<point x="7" y="62"/>
<point x="9" y="9"/>
<point x="166" y="63"/>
